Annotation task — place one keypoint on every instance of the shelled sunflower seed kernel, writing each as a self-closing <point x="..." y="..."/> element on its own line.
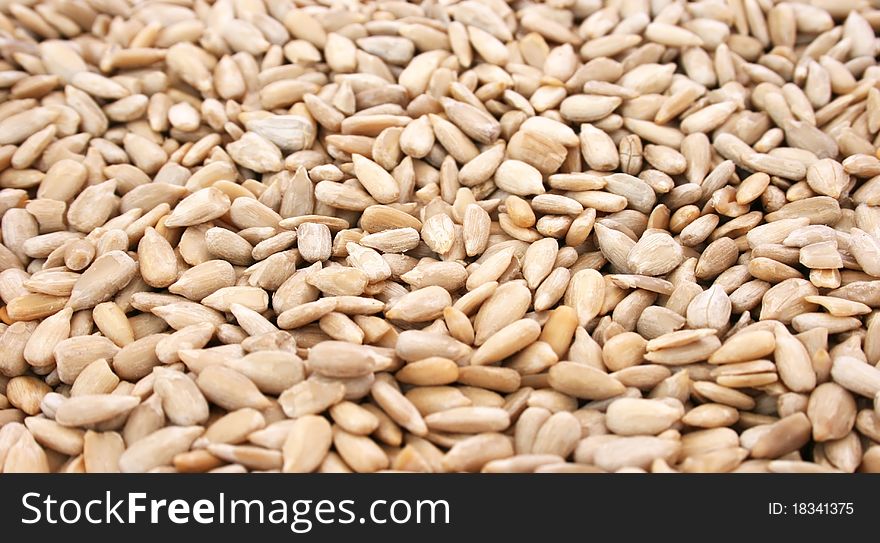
<point x="571" y="236"/>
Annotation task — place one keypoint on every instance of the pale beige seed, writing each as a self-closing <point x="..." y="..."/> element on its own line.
<point x="313" y="241"/>
<point x="476" y="123"/>
<point x="632" y="416"/>
<point x="623" y="351"/>
<point x="827" y="177"/>
<point x="26" y="393"/>
<point x="491" y="269"/>
<point x="838" y="306"/>
<point x="856" y="376"/>
<point x="310" y="397"/>
<point x="654" y="254"/>
<point x="378" y="182"/>
<point x="453" y="139"/>
<point x="559" y="329"/>
<point x="583" y="381"/>
<point x="527" y="427"/>
<point x="157" y="261"/>
<point x="395" y="240"/>
<point x="866" y="250"/>
<point x="695" y="351"/>
<point x="477" y="224"/>
<point x="63" y="181"/>
<point x="248" y="212"/>
<point x="438" y="233"/>
<point x="832" y="412"/>
<point x="782" y="437"/>
<point x="653" y="284"/>
<point x="745" y="346"/>
<point x="710" y="309"/>
<point x="194" y="336"/>
<point x="787" y="299"/>
<point x="272" y="372"/>
<point x="718" y="256"/>
<point x="588" y="108"/>
<point x="249" y="425"/>
<point x="520" y="178"/>
<point x="522" y="463"/>
<point x="9" y="435"/>
<point x="112" y="322"/>
<point x="158" y="448"/>
<point x="307" y="444"/>
<point x="538" y="261"/>
<point x="91" y="409"/>
<point x="227" y="245"/>
<point x="144" y="420"/>
<point x="553" y="204"/>
<point x="723" y="395"/>
<point x="39" y="350"/>
<point x="480" y="168"/>
<point x="339" y="359"/>
<point x="586" y="293"/>
<point x="435" y="399"/>
<point x="182" y="401"/>
<point x="202" y="279"/>
<point x="54" y="436"/>
<point x="102" y="451"/>
<point x="20" y="126"/>
<point x="338" y="281"/>
<point x="137" y="359"/>
<point x="182" y="314"/>
<point x="353" y="418"/>
<point x="73" y="354"/>
<point x="793" y="363"/>
<point x="104" y="278"/>
<point x="552" y="288"/>
<point x="420" y="305"/>
<point x="429" y="372"/>
<point x="359" y="452"/>
<point x="473" y="453"/>
<point x="636" y="451"/>
<point x="26" y="456"/>
<point x="255" y="458"/>
<point x="558" y="435"/>
<point x="598" y="148"/>
<point x="711" y="415"/>
<point x="398" y="407"/>
<point x="95" y="378"/>
<point x="833" y="324"/>
<point x="502" y="380"/>
<point x="469" y="420"/>
<point x="615" y="246"/>
<point x="255" y="152"/>
<point x="306" y="313"/>
<point x="222" y="299"/>
<point x="234" y="427"/>
<point x="507" y="341"/>
<point x="230" y="389"/>
<point x="201" y="206"/>
<point x="450" y="275"/>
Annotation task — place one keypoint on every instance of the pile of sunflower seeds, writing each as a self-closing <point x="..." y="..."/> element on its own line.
<point x="566" y="236"/>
